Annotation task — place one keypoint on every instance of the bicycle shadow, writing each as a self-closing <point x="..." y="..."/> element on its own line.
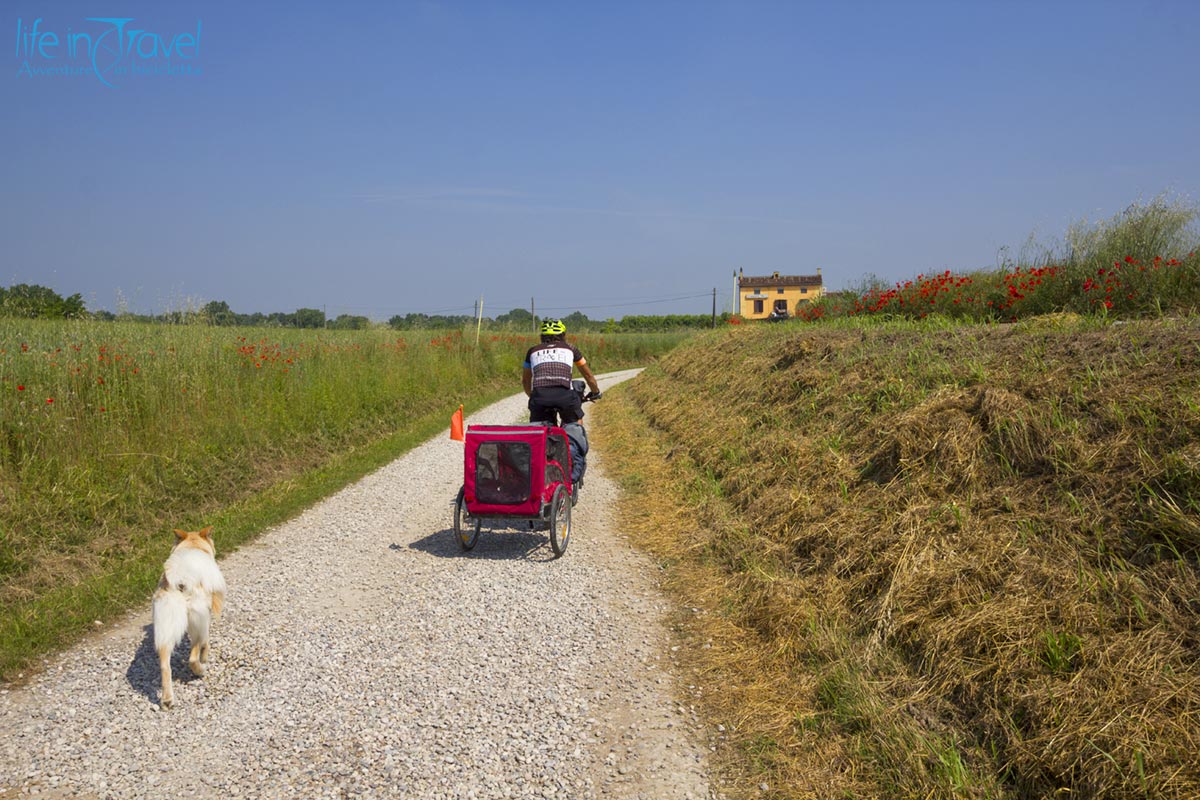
<point x="494" y="544"/>
<point x="142" y="675"/>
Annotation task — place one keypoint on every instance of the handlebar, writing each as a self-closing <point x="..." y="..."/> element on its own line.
<point x="584" y="395"/>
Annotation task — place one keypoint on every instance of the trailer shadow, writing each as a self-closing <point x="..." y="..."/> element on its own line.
<point x="499" y="544"/>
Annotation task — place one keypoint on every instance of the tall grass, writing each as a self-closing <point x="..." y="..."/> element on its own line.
<point x="1142" y="262"/>
<point x="112" y="433"/>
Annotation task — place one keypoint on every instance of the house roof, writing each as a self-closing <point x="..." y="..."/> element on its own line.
<point x="779" y="280"/>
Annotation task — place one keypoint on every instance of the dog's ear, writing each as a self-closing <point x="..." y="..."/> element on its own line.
<point x="206" y="533"/>
<point x="180" y="535"/>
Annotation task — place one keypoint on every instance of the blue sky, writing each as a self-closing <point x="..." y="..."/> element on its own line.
<point x="384" y="158"/>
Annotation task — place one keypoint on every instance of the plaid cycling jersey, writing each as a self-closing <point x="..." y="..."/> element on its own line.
<point x="551" y="364"/>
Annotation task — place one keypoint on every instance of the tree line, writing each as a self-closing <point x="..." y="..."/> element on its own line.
<point x="33" y="301"/>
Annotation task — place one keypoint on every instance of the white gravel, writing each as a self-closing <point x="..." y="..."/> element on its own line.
<point x="363" y="654"/>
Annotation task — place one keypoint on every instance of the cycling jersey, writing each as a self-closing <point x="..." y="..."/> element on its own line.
<point x="551" y="364"/>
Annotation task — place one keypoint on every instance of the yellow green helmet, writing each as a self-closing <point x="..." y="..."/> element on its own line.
<point x="553" y="327"/>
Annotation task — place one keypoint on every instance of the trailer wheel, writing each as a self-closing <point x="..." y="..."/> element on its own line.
<point x="466" y="530"/>
<point x="560" y="521"/>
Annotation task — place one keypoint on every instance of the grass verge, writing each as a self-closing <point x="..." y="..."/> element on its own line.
<point x="32" y="628"/>
<point x="931" y="560"/>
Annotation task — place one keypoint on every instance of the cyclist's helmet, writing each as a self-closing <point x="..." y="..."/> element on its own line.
<point x="553" y="327"/>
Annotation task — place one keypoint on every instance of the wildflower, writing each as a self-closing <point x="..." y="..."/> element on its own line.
<point x="20" y="388"/>
<point x="49" y="400"/>
<point x="1108" y="303"/>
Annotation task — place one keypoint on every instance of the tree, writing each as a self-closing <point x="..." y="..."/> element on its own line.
<point x="518" y="318"/>
<point x="218" y="312"/>
<point x="577" y="321"/>
<point x="309" y="318"/>
<point x="31" y="300"/>
<point x="408" y="321"/>
<point x="350" y="322"/>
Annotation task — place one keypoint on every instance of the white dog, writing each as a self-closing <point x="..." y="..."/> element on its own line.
<point x="189" y="595"/>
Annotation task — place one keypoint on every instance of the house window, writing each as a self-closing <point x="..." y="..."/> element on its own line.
<point x="803" y="290"/>
<point x="780" y="291"/>
<point x="758" y="307"/>
<point x="781" y="306"/>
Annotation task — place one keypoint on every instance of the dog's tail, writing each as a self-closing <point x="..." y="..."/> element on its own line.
<point x="170" y="615"/>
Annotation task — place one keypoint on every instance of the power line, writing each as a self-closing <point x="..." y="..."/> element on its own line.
<point x="464" y="310"/>
<point x="635" y="302"/>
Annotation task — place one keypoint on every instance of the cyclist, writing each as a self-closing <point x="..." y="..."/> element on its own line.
<point x="547" y="377"/>
<point x="547" y="381"/>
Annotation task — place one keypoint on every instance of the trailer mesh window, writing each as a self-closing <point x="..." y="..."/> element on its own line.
<point x="556" y="449"/>
<point x="502" y="472"/>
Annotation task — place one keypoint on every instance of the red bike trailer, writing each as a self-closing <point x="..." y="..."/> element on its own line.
<point x="515" y="476"/>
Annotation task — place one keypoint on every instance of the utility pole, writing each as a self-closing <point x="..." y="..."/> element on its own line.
<point x="533" y="313"/>
<point x="714" y="321"/>
<point x="479" y="320"/>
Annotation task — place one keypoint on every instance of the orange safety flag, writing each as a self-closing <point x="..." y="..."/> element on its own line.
<point x="456" y="426"/>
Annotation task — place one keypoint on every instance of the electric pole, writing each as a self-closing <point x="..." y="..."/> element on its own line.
<point x="479" y="320"/>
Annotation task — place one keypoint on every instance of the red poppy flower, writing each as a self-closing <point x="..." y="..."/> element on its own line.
<point x="49" y="400"/>
<point x="1108" y="303"/>
<point x="20" y="388"/>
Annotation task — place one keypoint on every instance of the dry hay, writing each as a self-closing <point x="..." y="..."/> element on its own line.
<point x="973" y="560"/>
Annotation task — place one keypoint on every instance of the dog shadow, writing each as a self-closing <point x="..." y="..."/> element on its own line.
<point x="143" y="673"/>
<point x="495" y="544"/>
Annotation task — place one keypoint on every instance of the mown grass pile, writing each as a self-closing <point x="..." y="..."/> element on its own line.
<point x="113" y="433"/>
<point x="933" y="560"/>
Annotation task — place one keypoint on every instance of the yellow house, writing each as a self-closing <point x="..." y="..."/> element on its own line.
<point x="761" y="297"/>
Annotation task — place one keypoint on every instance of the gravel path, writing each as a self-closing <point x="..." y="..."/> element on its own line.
<point x="362" y="653"/>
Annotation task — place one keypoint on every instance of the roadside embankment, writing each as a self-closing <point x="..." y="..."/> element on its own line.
<point x="930" y="560"/>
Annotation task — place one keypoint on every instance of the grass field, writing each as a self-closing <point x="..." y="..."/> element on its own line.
<point x="928" y="559"/>
<point x="111" y="434"/>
